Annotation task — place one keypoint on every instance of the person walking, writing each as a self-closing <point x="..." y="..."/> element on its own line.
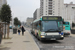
<point x="19" y="31"/>
<point x="23" y="30"/>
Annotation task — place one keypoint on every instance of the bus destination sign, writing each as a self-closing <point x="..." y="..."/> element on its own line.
<point x="51" y="18"/>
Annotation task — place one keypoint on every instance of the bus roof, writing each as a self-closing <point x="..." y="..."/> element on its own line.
<point x="36" y="20"/>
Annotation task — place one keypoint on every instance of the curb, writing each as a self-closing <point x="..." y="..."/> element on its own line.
<point x="34" y="40"/>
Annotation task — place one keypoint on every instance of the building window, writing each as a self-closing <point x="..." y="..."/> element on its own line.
<point x="50" y="13"/>
<point x="50" y="0"/>
<point x="42" y="0"/>
<point x="50" y="5"/>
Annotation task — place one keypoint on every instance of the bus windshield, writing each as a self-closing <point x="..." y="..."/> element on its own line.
<point x="52" y="26"/>
<point x="66" y="23"/>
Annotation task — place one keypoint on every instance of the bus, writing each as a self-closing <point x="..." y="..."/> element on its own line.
<point x="67" y="28"/>
<point x="48" y="28"/>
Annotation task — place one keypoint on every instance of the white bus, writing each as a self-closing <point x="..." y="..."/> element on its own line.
<point x="48" y="28"/>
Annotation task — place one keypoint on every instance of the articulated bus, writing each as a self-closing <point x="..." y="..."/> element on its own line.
<point x="48" y="28"/>
<point x="67" y="28"/>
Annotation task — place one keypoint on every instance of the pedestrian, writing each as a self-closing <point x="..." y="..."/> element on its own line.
<point x="23" y="30"/>
<point x="19" y="31"/>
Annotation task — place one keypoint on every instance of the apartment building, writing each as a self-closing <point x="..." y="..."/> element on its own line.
<point x="36" y="14"/>
<point x="51" y="7"/>
<point x="2" y="2"/>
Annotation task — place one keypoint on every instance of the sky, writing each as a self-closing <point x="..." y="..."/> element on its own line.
<point x="25" y="8"/>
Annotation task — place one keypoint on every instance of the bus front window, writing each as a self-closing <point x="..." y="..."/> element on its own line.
<point x="51" y="26"/>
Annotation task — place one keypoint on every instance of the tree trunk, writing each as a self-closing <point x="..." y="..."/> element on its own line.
<point x="8" y="31"/>
<point x="2" y="31"/>
<point x="5" y="31"/>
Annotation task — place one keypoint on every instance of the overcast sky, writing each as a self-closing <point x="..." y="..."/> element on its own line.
<point x="25" y="8"/>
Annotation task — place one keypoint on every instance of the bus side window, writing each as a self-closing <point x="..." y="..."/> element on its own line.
<point x="60" y="25"/>
<point x="35" y="26"/>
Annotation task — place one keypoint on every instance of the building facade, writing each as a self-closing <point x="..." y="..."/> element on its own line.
<point x="36" y="14"/>
<point x="2" y="2"/>
<point x="29" y="21"/>
<point x="69" y="12"/>
<point x="51" y="7"/>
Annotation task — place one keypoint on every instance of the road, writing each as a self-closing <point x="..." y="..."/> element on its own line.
<point x="67" y="44"/>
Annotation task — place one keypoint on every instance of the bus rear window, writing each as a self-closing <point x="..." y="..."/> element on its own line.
<point x="66" y="23"/>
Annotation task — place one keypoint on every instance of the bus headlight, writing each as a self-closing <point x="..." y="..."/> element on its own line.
<point x="62" y="36"/>
<point x="42" y="36"/>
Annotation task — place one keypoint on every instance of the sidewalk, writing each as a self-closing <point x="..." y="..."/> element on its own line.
<point x="19" y="42"/>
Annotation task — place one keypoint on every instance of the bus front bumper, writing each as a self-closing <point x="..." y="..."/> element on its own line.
<point x="52" y="37"/>
<point x="66" y="33"/>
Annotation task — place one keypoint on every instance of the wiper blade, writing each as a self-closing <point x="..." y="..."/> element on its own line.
<point x="50" y="30"/>
<point x="58" y="30"/>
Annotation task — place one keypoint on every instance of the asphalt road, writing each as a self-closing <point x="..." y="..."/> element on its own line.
<point x="73" y="31"/>
<point x="67" y="44"/>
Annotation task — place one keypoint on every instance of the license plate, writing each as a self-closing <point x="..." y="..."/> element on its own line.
<point x="53" y="38"/>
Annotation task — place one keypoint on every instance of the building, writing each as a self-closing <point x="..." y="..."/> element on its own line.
<point x="51" y="7"/>
<point x="2" y="2"/>
<point x="29" y="21"/>
<point x="69" y="12"/>
<point x="36" y="14"/>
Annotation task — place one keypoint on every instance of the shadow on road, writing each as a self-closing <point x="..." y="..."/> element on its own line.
<point x="67" y="36"/>
<point x="5" y="48"/>
<point x="50" y="42"/>
<point x="73" y="31"/>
